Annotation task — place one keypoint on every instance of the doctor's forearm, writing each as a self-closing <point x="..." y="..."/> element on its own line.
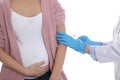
<point x="59" y="61"/>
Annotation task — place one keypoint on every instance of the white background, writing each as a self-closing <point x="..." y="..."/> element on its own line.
<point x="96" y="19"/>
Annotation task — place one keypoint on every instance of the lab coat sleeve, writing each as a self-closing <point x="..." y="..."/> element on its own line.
<point x="92" y="52"/>
<point x="93" y="47"/>
<point x="106" y="53"/>
<point x="106" y="43"/>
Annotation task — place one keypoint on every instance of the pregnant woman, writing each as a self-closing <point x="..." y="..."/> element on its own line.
<point x="28" y="48"/>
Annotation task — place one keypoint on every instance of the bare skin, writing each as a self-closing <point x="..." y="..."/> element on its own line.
<point x="60" y="56"/>
<point x="87" y="49"/>
<point x="26" y="8"/>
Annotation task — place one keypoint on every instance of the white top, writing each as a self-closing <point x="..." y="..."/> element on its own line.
<point x="29" y="38"/>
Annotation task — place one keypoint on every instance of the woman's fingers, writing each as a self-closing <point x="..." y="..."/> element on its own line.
<point x="43" y="70"/>
<point x="40" y="63"/>
<point x="37" y="65"/>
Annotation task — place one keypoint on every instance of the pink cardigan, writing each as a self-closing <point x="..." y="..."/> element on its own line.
<point x="53" y="16"/>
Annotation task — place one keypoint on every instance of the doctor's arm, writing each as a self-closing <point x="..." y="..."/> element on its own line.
<point x="105" y="53"/>
<point x="102" y="53"/>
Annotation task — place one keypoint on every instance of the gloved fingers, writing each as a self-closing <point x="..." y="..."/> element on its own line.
<point x="62" y="38"/>
<point x="61" y="33"/>
<point x="59" y="37"/>
<point x="83" y="52"/>
<point x="80" y="41"/>
<point x="83" y="38"/>
<point x="95" y="43"/>
<point x="65" y="37"/>
<point x="63" y="42"/>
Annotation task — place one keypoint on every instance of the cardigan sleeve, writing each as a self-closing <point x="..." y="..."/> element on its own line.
<point x="2" y="40"/>
<point x="59" y="13"/>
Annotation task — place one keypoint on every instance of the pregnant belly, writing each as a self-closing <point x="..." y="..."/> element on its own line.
<point x="32" y="55"/>
<point x="32" y="59"/>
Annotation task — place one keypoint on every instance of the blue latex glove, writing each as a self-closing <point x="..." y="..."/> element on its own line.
<point x="71" y="42"/>
<point x="87" y="41"/>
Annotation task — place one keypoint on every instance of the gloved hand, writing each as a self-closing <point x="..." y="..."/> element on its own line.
<point x="87" y="41"/>
<point x="71" y="42"/>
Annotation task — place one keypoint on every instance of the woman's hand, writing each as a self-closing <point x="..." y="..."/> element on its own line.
<point x="36" y="70"/>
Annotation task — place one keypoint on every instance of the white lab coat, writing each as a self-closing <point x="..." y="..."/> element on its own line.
<point x="111" y="52"/>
